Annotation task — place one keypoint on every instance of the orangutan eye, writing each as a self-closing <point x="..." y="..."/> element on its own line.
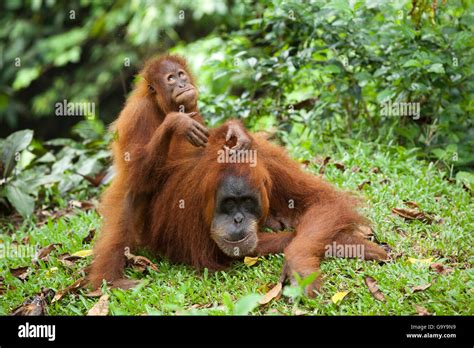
<point x="171" y="78"/>
<point x="229" y="203"/>
<point x="182" y="74"/>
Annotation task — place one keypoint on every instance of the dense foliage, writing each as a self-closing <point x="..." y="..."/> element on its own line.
<point x="315" y="73"/>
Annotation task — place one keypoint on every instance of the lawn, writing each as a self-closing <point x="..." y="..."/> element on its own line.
<point x="429" y="270"/>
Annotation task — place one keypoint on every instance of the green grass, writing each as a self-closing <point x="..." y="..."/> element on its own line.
<point x="178" y="289"/>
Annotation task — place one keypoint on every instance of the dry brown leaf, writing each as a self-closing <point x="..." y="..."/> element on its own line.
<point x="94" y="293"/>
<point x="84" y="205"/>
<point x="374" y="289"/>
<point x="31" y="307"/>
<point x="95" y="180"/>
<point x="355" y="169"/>
<point x="124" y="283"/>
<point x="340" y="166"/>
<point x="440" y="268"/>
<point x="139" y="263"/>
<point x="68" y="260"/>
<point x="322" y="162"/>
<point x="78" y="284"/>
<point x="3" y="289"/>
<point x="43" y="253"/>
<point x="422" y="311"/>
<point x="384" y="181"/>
<point x="305" y="164"/>
<point x="421" y="287"/>
<point x="101" y="307"/>
<point x="201" y="306"/>
<point x="89" y="237"/>
<point x="299" y="312"/>
<point x="362" y="184"/>
<point x="20" y="272"/>
<point x="413" y="214"/>
<point x="375" y="170"/>
<point x="274" y="293"/>
<point x="412" y="204"/>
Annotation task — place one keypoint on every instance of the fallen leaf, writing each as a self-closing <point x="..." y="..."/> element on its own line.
<point x="362" y="184"/>
<point x="322" y="161"/>
<point x="43" y="253"/>
<point x="375" y="170"/>
<point x="400" y="232"/>
<point x="78" y="284"/>
<point x="124" y="283"/>
<point x="275" y="292"/>
<point x="421" y="287"/>
<point x="420" y="261"/>
<point x="84" y="205"/>
<point x="94" y="293"/>
<point x="305" y="164"/>
<point x="340" y="166"/>
<point x="355" y="169"/>
<point x="422" y="311"/>
<point x="50" y="271"/>
<point x="83" y="253"/>
<point x="338" y="296"/>
<point x="411" y="204"/>
<point x="201" y="306"/>
<point x="3" y="289"/>
<point x="139" y="262"/>
<point x="31" y="307"/>
<point x="374" y="289"/>
<point x="439" y="268"/>
<point x="89" y="237"/>
<point x="299" y="312"/>
<point x="101" y="307"/>
<point x="68" y="260"/>
<point x="20" y="272"/>
<point x="384" y="181"/>
<point x="250" y="261"/>
<point x="95" y="180"/>
<point x="413" y="214"/>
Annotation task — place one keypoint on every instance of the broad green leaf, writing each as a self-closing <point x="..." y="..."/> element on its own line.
<point x="247" y="304"/>
<point x="20" y="200"/>
<point x="12" y="146"/>
<point x="436" y="68"/>
<point x="466" y="178"/>
<point x="25" y="76"/>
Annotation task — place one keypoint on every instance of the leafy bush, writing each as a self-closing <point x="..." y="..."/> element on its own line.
<point x="327" y="68"/>
<point x="30" y="170"/>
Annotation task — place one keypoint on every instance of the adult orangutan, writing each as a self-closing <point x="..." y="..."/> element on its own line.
<point x="162" y="107"/>
<point x="210" y="212"/>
